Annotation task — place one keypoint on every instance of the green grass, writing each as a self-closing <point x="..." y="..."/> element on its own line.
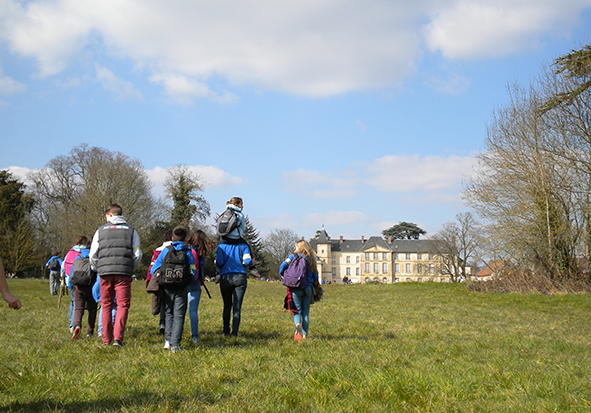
<point x="372" y="348"/>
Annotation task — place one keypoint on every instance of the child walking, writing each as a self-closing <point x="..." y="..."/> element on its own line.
<point x="175" y="297"/>
<point x="302" y="297"/>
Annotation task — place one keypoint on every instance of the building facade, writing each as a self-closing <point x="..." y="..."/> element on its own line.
<point x="377" y="260"/>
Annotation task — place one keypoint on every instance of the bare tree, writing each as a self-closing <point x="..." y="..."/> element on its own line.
<point x="73" y="191"/>
<point x="458" y="243"/>
<point x="279" y="244"/>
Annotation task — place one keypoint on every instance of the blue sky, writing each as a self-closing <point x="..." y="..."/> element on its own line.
<point x="352" y="114"/>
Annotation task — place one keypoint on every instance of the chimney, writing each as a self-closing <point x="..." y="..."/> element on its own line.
<point x="390" y="240"/>
<point x="362" y="239"/>
<point x="302" y="237"/>
<point x="341" y="238"/>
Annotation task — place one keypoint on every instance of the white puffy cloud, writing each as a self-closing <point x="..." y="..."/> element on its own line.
<point x="488" y="28"/>
<point x="211" y="176"/>
<point x="327" y="185"/>
<point x="121" y="88"/>
<point x="396" y="173"/>
<point x="311" y="48"/>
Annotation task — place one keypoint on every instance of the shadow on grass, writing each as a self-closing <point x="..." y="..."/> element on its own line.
<point x="144" y="401"/>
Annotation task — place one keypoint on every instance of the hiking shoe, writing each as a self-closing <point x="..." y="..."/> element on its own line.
<point x="298" y="333"/>
<point x="254" y="272"/>
<point x="174" y="349"/>
<point x="118" y="343"/>
<point x="196" y="340"/>
<point x="161" y="330"/>
<point x="166" y="345"/>
<point x="71" y="330"/>
<point x="76" y="333"/>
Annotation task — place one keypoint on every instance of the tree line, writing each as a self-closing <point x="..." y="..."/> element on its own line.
<point x="67" y="198"/>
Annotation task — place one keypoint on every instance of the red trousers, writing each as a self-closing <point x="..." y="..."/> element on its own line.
<point x="115" y="287"/>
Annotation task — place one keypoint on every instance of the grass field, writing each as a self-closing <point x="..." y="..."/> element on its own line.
<point x="371" y="348"/>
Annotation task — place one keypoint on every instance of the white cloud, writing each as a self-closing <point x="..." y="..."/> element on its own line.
<point x="123" y="89"/>
<point x="8" y="85"/>
<point x="327" y="185"/>
<point x="483" y="28"/>
<point x="182" y="89"/>
<point x="21" y="174"/>
<point x="395" y="173"/>
<point x="211" y="175"/>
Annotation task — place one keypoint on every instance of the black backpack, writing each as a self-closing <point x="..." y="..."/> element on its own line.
<point x="174" y="273"/>
<point x="82" y="273"/>
<point x="227" y="222"/>
<point x="54" y="265"/>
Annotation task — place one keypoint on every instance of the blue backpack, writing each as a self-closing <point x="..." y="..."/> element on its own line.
<point x="296" y="275"/>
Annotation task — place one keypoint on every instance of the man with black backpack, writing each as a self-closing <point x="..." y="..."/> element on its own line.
<point x="175" y="268"/>
<point x="54" y="264"/>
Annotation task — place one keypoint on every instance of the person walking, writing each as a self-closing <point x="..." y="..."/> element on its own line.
<point x="232" y="261"/>
<point x="158" y="306"/>
<point x="302" y="297"/>
<point x="201" y="246"/>
<point x="176" y="270"/>
<point x="65" y="274"/>
<point x="83" y="298"/>
<point x="115" y="253"/>
<point x="54" y="264"/>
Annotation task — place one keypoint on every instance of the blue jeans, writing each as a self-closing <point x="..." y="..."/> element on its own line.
<point x="176" y="309"/>
<point x="194" y="297"/>
<point x="71" y="316"/>
<point x="301" y="299"/>
<point x="232" y="287"/>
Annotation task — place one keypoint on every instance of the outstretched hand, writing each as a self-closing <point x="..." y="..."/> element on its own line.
<point x="12" y="300"/>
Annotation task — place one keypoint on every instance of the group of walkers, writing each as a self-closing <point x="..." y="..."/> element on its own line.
<point x="175" y="277"/>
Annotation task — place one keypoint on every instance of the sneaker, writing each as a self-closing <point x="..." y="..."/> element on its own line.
<point x="298" y="333"/>
<point x="76" y="333"/>
<point x="71" y="330"/>
<point x="118" y="343"/>
<point x="166" y="345"/>
<point x="161" y="330"/>
<point x="89" y="335"/>
<point x="254" y="272"/>
<point x="174" y="349"/>
<point x="196" y="340"/>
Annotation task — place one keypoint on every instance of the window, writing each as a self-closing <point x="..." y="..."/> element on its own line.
<point x="396" y="267"/>
<point x="357" y="271"/>
<point x="366" y="279"/>
<point x="348" y="271"/>
<point x="395" y="255"/>
<point x="384" y="256"/>
<point x="430" y="256"/>
<point x="419" y="268"/>
<point x="384" y="280"/>
<point x="408" y="256"/>
<point x="408" y="280"/>
<point x="442" y="280"/>
<point x="334" y="259"/>
<point x="375" y="256"/>
<point x="348" y="259"/>
<point x="408" y="268"/>
<point x="420" y="280"/>
<point x="367" y="256"/>
<point x="357" y="259"/>
<point x="431" y="268"/>
<point x="322" y="251"/>
<point x="367" y="267"/>
<point x="384" y="268"/>
<point x="334" y="272"/>
<point x="419" y="256"/>
<point x="376" y="267"/>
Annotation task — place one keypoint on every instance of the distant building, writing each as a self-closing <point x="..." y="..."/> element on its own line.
<point x="377" y="260"/>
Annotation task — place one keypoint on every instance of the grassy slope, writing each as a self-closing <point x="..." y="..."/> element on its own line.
<point x="404" y="347"/>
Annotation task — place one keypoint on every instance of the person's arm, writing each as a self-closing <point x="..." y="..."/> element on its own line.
<point x="158" y="262"/>
<point x="11" y="299"/>
<point x="285" y="264"/>
<point x="246" y="258"/>
<point x="94" y="247"/>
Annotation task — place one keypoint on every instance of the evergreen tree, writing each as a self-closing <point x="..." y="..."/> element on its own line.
<point x="404" y="230"/>
<point x="253" y="239"/>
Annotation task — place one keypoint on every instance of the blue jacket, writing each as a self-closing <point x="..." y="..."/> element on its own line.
<point x="231" y="258"/>
<point x="312" y="273"/>
<point x="58" y="260"/>
<point x="239" y="230"/>
<point x="179" y="246"/>
<point x="196" y="285"/>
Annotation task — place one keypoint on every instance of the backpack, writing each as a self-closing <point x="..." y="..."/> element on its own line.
<point x="174" y="273"/>
<point x="54" y="265"/>
<point x="82" y="273"/>
<point x="296" y="275"/>
<point x="227" y="222"/>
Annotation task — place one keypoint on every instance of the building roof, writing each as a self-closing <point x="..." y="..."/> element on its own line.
<point x="361" y="245"/>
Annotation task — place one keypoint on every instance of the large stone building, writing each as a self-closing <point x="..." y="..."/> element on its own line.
<point x="377" y="260"/>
